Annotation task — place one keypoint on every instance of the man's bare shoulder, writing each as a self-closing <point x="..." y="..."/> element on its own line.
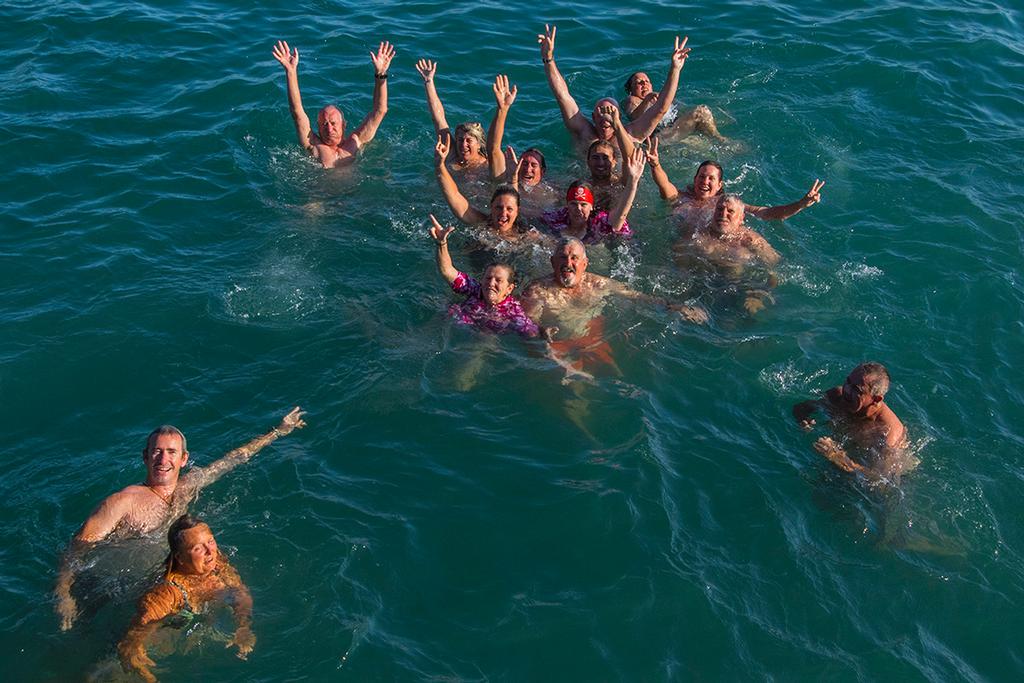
<point x="896" y="433"/>
<point x="536" y="288"/>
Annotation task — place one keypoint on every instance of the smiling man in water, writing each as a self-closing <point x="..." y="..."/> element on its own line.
<point x="865" y="425"/>
<point x="139" y="509"/>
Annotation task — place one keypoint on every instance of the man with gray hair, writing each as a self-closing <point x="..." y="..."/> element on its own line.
<point x="139" y="509"/>
<point x="864" y="425"/>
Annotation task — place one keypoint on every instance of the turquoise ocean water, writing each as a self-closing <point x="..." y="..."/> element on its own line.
<point x="168" y="255"/>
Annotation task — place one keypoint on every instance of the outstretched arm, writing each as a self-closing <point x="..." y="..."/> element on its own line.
<point x="693" y="314"/>
<point x="457" y="202"/>
<point x="444" y="260"/>
<point x="668" y="191"/>
<point x="290" y="61"/>
<point x="211" y="473"/>
<point x="381" y="61"/>
<point x="645" y="124"/>
<point x="581" y="129"/>
<point x="428" y="69"/>
<point x="634" y="169"/>
<point x="610" y="114"/>
<point x="504" y="96"/>
<point x="781" y="213"/>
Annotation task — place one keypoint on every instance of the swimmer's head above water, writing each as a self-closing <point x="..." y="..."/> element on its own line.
<point x="605" y="129"/>
<point x="505" y="208"/>
<point x="601" y="159"/>
<point x="469" y="140"/>
<point x="638" y="85"/>
<point x="569" y="262"/>
<point x="865" y="386"/>
<point x="330" y="124"/>
<point x="707" y="181"/>
<point x="729" y="215"/>
<point x="166" y="452"/>
<point x="497" y="283"/>
<point x="579" y="201"/>
<point x="193" y="548"/>
<point x="532" y="167"/>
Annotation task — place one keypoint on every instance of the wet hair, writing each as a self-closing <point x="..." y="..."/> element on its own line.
<point x="731" y="197"/>
<point x="599" y="143"/>
<point x="629" y="82"/>
<point x="176" y="536"/>
<point x="475" y="130"/>
<point x="160" y="431"/>
<point x="506" y="189"/>
<point x="721" y="175"/>
<point x="513" y="276"/>
<point x="540" y="157"/>
<point x="876" y="378"/>
<point x="570" y="241"/>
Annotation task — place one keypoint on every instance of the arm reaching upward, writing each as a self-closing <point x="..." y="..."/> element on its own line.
<point x="290" y="61"/>
<point x="666" y="189"/>
<point x="211" y="473"/>
<point x="582" y="130"/>
<point x="504" y="96"/>
<point x="610" y="113"/>
<point x="457" y="202"/>
<point x="428" y="69"/>
<point x="645" y="124"/>
<point x="781" y="213"/>
<point x="634" y="170"/>
<point x="444" y="260"/>
<point x="381" y="61"/>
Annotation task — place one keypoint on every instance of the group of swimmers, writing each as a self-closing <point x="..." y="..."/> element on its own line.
<point x="561" y="309"/>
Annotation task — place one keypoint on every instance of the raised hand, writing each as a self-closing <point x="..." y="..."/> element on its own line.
<point x="652" y="151"/>
<point x="635" y="163"/>
<point x="680" y="53"/>
<point x="244" y="640"/>
<point x="443" y="146"/>
<point x="547" y="42"/>
<point x="293" y="420"/>
<point x="382" y="60"/>
<point x="439" y="232"/>
<point x="609" y="113"/>
<point x="502" y="94"/>
<point x="512" y="166"/>
<point x="427" y="69"/>
<point x="289" y="60"/>
<point x="813" y="195"/>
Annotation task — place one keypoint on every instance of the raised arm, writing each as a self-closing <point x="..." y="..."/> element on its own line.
<point x="781" y="213"/>
<point x="645" y="124"/>
<point x="611" y="114"/>
<point x="504" y="96"/>
<point x="581" y="129"/>
<point x="444" y="259"/>
<point x="290" y="61"/>
<point x="381" y="61"/>
<point x="666" y="189"/>
<point x="428" y="69"/>
<point x="207" y="475"/>
<point x="634" y="169"/>
<point x="457" y="202"/>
